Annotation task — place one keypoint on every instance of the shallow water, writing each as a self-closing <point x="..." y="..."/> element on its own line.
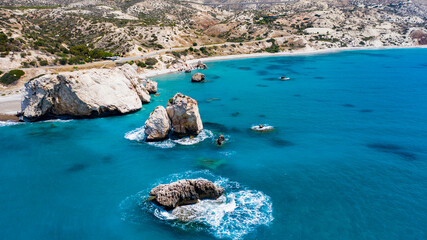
<point x="347" y="159"/>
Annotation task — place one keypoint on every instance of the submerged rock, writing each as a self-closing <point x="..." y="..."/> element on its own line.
<point x="84" y="94"/>
<point x="151" y="86"/>
<point x="158" y="125"/>
<point x="185" y="192"/>
<point x="184" y="114"/>
<point x="198" y="77"/>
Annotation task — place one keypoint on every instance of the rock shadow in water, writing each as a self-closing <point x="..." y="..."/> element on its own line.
<point x="261" y="85"/>
<point x="214" y="77"/>
<point x="297" y="95"/>
<point x="235" y="114"/>
<point x="319" y="78"/>
<point x="394" y="149"/>
<point x="366" y="110"/>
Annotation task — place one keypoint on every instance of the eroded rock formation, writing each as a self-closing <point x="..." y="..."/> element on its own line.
<point x="184" y="192"/>
<point x="84" y="94"/>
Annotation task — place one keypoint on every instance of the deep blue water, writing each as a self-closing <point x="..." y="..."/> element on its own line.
<point x="348" y="159"/>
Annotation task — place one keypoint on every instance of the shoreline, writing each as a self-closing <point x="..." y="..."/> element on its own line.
<point x="10" y="105"/>
<point x="311" y="51"/>
<point x="299" y="52"/>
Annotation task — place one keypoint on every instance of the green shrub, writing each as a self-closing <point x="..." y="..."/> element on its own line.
<point x="11" y="76"/>
<point x="43" y="62"/>
<point x="151" y="61"/>
<point x="141" y="64"/>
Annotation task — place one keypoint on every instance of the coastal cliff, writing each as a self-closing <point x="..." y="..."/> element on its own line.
<point x="84" y="94"/>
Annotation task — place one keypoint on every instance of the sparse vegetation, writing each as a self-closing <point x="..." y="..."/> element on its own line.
<point x="11" y="77"/>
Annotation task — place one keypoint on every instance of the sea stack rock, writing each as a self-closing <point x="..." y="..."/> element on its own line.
<point x="184" y="115"/>
<point x="151" y="86"/>
<point x="201" y="65"/>
<point x="184" y="192"/>
<point x="158" y="125"/>
<point x="84" y="94"/>
<point x="198" y="77"/>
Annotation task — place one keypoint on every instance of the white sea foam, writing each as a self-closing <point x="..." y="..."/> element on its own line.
<point x="232" y="216"/>
<point x="203" y="135"/>
<point x="59" y="120"/>
<point x="265" y="128"/>
<point x="8" y="123"/>
<point x="139" y="136"/>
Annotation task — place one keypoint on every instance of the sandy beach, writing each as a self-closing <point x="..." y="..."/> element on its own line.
<point x="11" y="104"/>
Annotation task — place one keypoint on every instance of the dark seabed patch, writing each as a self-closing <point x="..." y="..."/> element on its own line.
<point x="319" y="78"/>
<point x="262" y="73"/>
<point x="278" y="142"/>
<point x="274" y="67"/>
<point x="366" y="111"/>
<point x="261" y="85"/>
<point x="394" y="149"/>
<point x="76" y="167"/>
<point x="297" y="95"/>
<point x="235" y="99"/>
<point x="261" y="115"/>
<point x="213" y="77"/>
<point x="270" y="79"/>
<point x="235" y="114"/>
<point x="348" y="105"/>
<point x="244" y="68"/>
<point x="211" y="164"/>
<point x="212" y="99"/>
<point x="107" y="159"/>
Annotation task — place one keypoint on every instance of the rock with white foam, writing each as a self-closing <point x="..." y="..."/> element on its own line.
<point x="151" y="86"/>
<point x="158" y="125"/>
<point x="185" y="192"/>
<point x="184" y="114"/>
<point x="84" y="94"/>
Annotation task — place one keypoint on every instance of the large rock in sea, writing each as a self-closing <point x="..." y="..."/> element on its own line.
<point x="184" y="114"/>
<point x="158" y="125"/>
<point x="184" y="192"/>
<point x="151" y="86"/>
<point x="84" y="94"/>
<point x="198" y="77"/>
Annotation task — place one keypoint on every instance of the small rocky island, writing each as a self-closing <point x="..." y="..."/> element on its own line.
<point x="184" y="192"/>
<point x="181" y="116"/>
<point x="85" y="94"/>
<point x="198" y="77"/>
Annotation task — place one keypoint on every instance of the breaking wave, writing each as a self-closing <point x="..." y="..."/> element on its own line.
<point x="8" y="123"/>
<point x="265" y="128"/>
<point x="139" y="136"/>
<point x="232" y="216"/>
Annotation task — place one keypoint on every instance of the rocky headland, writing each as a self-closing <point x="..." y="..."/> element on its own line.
<point x="84" y="94"/>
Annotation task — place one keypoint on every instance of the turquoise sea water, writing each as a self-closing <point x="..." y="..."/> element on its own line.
<point x="348" y="159"/>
